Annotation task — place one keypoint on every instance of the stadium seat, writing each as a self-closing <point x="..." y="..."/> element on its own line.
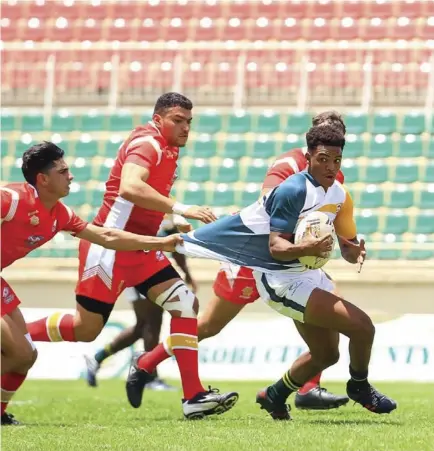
<point x="376" y="172"/>
<point x="386" y="254"/>
<point x="254" y="171"/>
<point x="428" y="172"/>
<point x="221" y="195"/>
<point x="4" y="149"/>
<point x="413" y="123"/>
<point x="396" y="222"/>
<point x="9" y="122"/>
<point x="401" y="197"/>
<point x="419" y="254"/>
<point x="427" y="198"/>
<point x="356" y="123"/>
<point x="371" y="197"/>
<point x="351" y="170"/>
<point x="32" y="123"/>
<point x="354" y="146"/>
<point x="367" y="222"/>
<point x="85" y="149"/>
<point x="410" y="146"/>
<point x="384" y="123"/>
<point x="81" y="170"/>
<point x="234" y="147"/>
<point x="63" y="122"/>
<point x="92" y="121"/>
<point x="292" y="142"/>
<point x="111" y="147"/>
<point x="430" y="149"/>
<point x="227" y="171"/>
<point x="204" y="147"/>
<point x="298" y="123"/>
<point x="265" y="147"/>
<point x="209" y="122"/>
<point x="406" y="172"/>
<point x="76" y="196"/>
<point x="194" y="195"/>
<point x="121" y="121"/>
<point x="240" y="122"/>
<point x="380" y="146"/>
<point x="103" y="170"/>
<point x="424" y="222"/>
<point x="248" y="195"/>
<point x="95" y="197"/>
<point x="268" y="122"/>
<point x="199" y="171"/>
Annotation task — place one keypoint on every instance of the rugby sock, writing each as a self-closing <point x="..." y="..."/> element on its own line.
<point x="11" y="382"/>
<point x="309" y="385"/>
<point x="103" y="353"/>
<point x="358" y="378"/>
<point x="150" y="360"/>
<point x="56" y="327"/>
<point x="281" y="389"/>
<point x="183" y="337"/>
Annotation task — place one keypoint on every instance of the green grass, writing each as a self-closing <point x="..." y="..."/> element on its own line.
<point x="70" y="416"/>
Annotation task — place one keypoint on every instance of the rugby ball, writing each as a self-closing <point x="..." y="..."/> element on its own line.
<point x="317" y="224"/>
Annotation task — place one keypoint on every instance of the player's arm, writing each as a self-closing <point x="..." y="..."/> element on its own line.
<point x="133" y="187"/>
<point x="352" y="250"/>
<point x="9" y="203"/>
<point x="120" y="240"/>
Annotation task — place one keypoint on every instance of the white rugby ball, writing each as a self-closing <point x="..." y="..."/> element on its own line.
<point x="317" y="224"/>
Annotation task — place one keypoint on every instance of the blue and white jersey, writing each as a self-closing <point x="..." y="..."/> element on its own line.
<point x="243" y="239"/>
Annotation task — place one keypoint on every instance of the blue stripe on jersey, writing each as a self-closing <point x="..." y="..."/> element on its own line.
<point x="282" y="300"/>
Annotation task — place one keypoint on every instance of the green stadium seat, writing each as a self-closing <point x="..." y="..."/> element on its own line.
<point x="21" y="147"/>
<point x="427" y="198"/>
<point x="86" y="149"/>
<point x="103" y="170"/>
<point x="291" y="142"/>
<point x="4" y="177"/>
<point x="199" y="171"/>
<point x="234" y="147"/>
<point x="4" y="150"/>
<point x="396" y="223"/>
<point x="15" y="174"/>
<point x="249" y="194"/>
<point x="209" y="122"/>
<point x="401" y="197"/>
<point x="146" y="117"/>
<point x="194" y="194"/>
<point x="92" y="121"/>
<point x="121" y="121"/>
<point x="376" y="172"/>
<point x="354" y="147"/>
<point x="81" y="170"/>
<point x="384" y="123"/>
<point x="413" y="123"/>
<point x="424" y="223"/>
<point x="9" y="122"/>
<point x="406" y="172"/>
<point x="298" y="123"/>
<point x="32" y="123"/>
<point x="111" y="147"/>
<point x="268" y="122"/>
<point x="410" y="146"/>
<point x="419" y="254"/>
<point x="387" y="254"/>
<point x="356" y="123"/>
<point x="240" y="122"/>
<point x="430" y="147"/>
<point x="204" y="147"/>
<point x="428" y="172"/>
<point x="221" y="195"/>
<point x="367" y="222"/>
<point x="76" y="196"/>
<point x="255" y="171"/>
<point x="264" y="148"/>
<point x="351" y="171"/>
<point x="380" y="146"/>
<point x="63" y="121"/>
<point x="227" y="171"/>
<point x="371" y="197"/>
<point x="95" y="198"/>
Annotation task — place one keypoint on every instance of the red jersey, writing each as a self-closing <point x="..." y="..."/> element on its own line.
<point x="146" y="147"/>
<point x="27" y="224"/>
<point x="288" y="164"/>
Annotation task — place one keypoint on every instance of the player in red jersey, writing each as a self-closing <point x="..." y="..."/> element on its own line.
<point x="235" y="286"/>
<point x="136" y="199"/>
<point x="31" y="215"/>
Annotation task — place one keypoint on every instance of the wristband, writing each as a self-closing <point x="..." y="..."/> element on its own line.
<point x="180" y="209"/>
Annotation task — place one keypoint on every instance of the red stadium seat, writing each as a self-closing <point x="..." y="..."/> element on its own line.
<point x="13" y="10"/>
<point x="206" y="33"/>
<point x="155" y="11"/>
<point x="261" y="33"/>
<point x="409" y="8"/>
<point x="120" y="33"/>
<point x="9" y="31"/>
<point x="345" y="31"/>
<point x="371" y="31"/>
<point x="180" y="33"/>
<point x="353" y="8"/>
<point x="126" y="10"/>
<point x="382" y="9"/>
<point x="68" y="11"/>
<point x="65" y="34"/>
<point x="41" y="11"/>
<point x="428" y="10"/>
<point x="89" y="33"/>
<point x="148" y="33"/>
<point x="289" y="31"/>
<point x="95" y="11"/>
<point x="243" y="9"/>
<point x="211" y="10"/>
<point x="326" y="9"/>
<point x="229" y="33"/>
<point x="295" y="9"/>
<point x="28" y="31"/>
<point x="426" y="30"/>
<point x="183" y="10"/>
<point x="271" y="10"/>
<point x="400" y="30"/>
<point x="315" y="30"/>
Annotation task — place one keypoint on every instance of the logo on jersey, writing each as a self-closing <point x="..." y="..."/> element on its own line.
<point x="7" y="296"/>
<point x="170" y="154"/>
<point x="159" y="256"/>
<point x="338" y="208"/>
<point x="246" y="292"/>
<point x="34" y="220"/>
<point x="33" y="240"/>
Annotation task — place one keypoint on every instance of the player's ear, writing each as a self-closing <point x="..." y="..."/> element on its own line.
<point x="41" y="179"/>
<point x="156" y="118"/>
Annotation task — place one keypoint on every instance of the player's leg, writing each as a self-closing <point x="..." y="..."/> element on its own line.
<point x="18" y="356"/>
<point x="166" y="289"/>
<point x="308" y="298"/>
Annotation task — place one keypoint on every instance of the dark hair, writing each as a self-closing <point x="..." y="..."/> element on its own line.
<point x="329" y="117"/>
<point x="170" y="100"/>
<point x="40" y="158"/>
<point x="326" y="135"/>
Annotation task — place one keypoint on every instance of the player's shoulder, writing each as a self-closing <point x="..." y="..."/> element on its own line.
<point x="20" y="192"/>
<point x="338" y="189"/>
<point x="297" y="181"/>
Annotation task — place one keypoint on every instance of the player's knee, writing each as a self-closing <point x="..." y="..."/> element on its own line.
<point x="365" y="327"/>
<point x="208" y="329"/>
<point x="326" y="357"/>
<point x="27" y="359"/>
<point x="179" y="301"/>
<point x="85" y="333"/>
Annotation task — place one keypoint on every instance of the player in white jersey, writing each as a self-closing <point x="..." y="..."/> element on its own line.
<point x="261" y="237"/>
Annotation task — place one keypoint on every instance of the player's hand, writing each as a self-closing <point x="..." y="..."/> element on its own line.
<point x="356" y="250"/>
<point x="318" y="247"/>
<point x="204" y="214"/>
<point x="184" y="228"/>
<point x="169" y="243"/>
<point x="182" y="224"/>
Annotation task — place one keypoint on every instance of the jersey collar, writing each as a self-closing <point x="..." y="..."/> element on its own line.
<point x="311" y="179"/>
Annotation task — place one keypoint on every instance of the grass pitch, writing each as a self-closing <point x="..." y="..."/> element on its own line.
<point x="69" y="416"/>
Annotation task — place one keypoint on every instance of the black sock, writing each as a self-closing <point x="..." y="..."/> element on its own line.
<point x="358" y="378"/>
<point x="102" y="354"/>
<point x="281" y="389"/>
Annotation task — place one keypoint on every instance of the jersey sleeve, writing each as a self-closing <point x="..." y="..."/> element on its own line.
<point x="144" y="151"/>
<point x="280" y="170"/>
<point x="284" y="206"/>
<point x="71" y="222"/>
<point x="340" y="177"/>
<point x="9" y="203"/>
<point x="345" y="225"/>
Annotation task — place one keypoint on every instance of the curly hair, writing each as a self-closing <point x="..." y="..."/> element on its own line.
<point x="170" y="100"/>
<point x="325" y="135"/>
<point x="331" y="118"/>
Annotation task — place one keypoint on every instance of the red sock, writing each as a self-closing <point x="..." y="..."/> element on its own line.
<point x="150" y="360"/>
<point x="314" y="382"/>
<point x="183" y="337"/>
<point x="10" y="384"/>
<point x="56" y="327"/>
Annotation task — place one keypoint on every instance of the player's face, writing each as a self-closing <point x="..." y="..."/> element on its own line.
<point x="175" y="125"/>
<point x="58" y="179"/>
<point x="324" y="164"/>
